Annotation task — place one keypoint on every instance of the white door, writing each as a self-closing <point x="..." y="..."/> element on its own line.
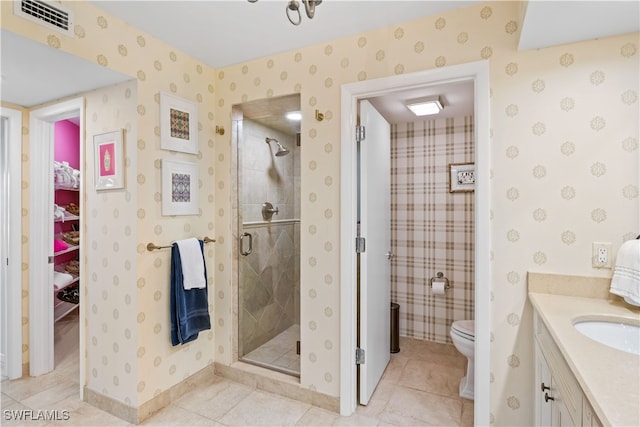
<point x="41" y="314"/>
<point x="375" y="269"/>
<point x="10" y="242"/>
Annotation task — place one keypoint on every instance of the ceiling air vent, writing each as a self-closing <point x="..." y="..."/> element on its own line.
<point x="52" y="16"/>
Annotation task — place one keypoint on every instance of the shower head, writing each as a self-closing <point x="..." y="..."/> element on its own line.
<point x="282" y="151"/>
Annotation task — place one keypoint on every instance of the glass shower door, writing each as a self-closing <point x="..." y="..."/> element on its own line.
<point x="269" y="244"/>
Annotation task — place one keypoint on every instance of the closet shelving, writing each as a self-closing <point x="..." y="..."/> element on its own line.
<point x="66" y="261"/>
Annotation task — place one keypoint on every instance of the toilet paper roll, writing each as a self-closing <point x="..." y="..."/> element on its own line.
<point x="438" y="287"/>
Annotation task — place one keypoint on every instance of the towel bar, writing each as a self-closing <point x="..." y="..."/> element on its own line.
<point x="153" y="246"/>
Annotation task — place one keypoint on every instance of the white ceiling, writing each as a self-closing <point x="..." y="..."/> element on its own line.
<point x="221" y="33"/>
<point x="226" y="32"/>
<point x="550" y="23"/>
<point x="34" y="73"/>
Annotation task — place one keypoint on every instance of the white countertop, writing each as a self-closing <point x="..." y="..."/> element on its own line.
<point x="610" y="378"/>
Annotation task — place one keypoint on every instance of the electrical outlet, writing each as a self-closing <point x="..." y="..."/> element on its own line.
<point x="601" y="255"/>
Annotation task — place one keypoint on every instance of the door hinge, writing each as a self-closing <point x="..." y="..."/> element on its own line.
<point x="359" y="356"/>
<point x="360" y="134"/>
<point x="50" y="260"/>
<point x="298" y="347"/>
<point x="360" y="245"/>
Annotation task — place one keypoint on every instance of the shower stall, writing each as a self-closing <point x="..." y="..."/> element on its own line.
<point x="268" y="233"/>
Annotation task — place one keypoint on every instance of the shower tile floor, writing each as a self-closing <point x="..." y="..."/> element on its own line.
<point x="418" y="388"/>
<point x="278" y="353"/>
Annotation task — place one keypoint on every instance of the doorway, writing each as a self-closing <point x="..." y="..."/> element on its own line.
<point x="10" y="242"/>
<point x="478" y="72"/>
<point x="41" y="226"/>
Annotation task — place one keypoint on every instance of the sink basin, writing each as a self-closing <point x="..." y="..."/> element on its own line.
<point x="618" y="334"/>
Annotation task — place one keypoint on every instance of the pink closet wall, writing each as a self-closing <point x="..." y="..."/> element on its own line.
<point x="66" y="147"/>
<point x="67" y="143"/>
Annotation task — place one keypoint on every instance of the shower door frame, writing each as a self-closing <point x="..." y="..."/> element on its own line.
<point x="237" y="131"/>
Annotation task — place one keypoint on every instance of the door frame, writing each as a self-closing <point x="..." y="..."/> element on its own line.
<point x="12" y="304"/>
<point x="41" y="322"/>
<point x="350" y="95"/>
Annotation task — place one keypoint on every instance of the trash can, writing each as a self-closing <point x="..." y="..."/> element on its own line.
<point x="395" y="327"/>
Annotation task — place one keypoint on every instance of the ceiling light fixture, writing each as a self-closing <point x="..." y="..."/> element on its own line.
<point x="294" y="7"/>
<point x="425" y="106"/>
<point x="294" y="116"/>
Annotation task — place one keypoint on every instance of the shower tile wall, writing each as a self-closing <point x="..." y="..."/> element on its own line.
<point x="432" y="229"/>
<point x="266" y="178"/>
<point x="269" y="286"/>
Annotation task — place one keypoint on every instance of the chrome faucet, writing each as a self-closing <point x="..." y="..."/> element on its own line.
<point x="268" y="210"/>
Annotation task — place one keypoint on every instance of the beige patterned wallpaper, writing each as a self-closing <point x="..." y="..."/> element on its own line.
<point x="129" y="355"/>
<point x="564" y="157"/>
<point x="110" y="249"/>
<point x="540" y="140"/>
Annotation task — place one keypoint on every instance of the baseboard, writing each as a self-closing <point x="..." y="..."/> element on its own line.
<point x="138" y="415"/>
<point x="276" y="383"/>
<point x="155" y="404"/>
<point x="111" y="406"/>
<point x="252" y="376"/>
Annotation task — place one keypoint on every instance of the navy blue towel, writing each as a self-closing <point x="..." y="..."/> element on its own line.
<point x="189" y="309"/>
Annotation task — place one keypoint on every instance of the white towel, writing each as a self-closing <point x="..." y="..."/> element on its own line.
<point x="192" y="264"/>
<point x="626" y="274"/>
<point x="60" y="279"/>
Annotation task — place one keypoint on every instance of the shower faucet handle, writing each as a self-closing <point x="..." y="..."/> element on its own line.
<point x="271" y="210"/>
<point x="268" y="210"/>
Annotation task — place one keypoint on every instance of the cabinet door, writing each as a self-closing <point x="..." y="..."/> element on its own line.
<point x="561" y="415"/>
<point x="543" y="415"/>
<point x="589" y="418"/>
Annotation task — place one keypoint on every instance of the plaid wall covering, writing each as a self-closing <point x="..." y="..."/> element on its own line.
<point x="432" y="230"/>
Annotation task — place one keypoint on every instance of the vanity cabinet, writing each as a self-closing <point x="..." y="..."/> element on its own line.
<point x="559" y="400"/>
<point x="589" y="418"/>
<point x="550" y="406"/>
<point x="543" y="407"/>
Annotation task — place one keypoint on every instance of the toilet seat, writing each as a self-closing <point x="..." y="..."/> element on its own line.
<point x="464" y="329"/>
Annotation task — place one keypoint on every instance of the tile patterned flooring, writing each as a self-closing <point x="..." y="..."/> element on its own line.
<point x="419" y="388"/>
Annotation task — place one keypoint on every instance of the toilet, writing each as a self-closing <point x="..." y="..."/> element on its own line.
<point x="463" y="335"/>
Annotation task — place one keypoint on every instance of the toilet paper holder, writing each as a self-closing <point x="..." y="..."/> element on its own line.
<point x="440" y="278"/>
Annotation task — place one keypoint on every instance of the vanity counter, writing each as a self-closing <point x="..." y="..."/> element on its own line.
<point x="609" y="378"/>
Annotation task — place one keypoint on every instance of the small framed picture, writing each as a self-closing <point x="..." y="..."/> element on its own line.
<point x="462" y="177"/>
<point x="178" y="124"/>
<point x="179" y="188"/>
<point x="109" y="160"/>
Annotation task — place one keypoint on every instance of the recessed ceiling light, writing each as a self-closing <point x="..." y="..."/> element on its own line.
<point x="294" y="115"/>
<point x="425" y="106"/>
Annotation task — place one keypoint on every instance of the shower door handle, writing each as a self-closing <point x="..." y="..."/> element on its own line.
<point x="242" y="251"/>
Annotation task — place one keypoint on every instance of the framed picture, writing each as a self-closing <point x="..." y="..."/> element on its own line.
<point x="462" y="177"/>
<point x="178" y="124"/>
<point x="109" y="160"/>
<point x="179" y="188"/>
